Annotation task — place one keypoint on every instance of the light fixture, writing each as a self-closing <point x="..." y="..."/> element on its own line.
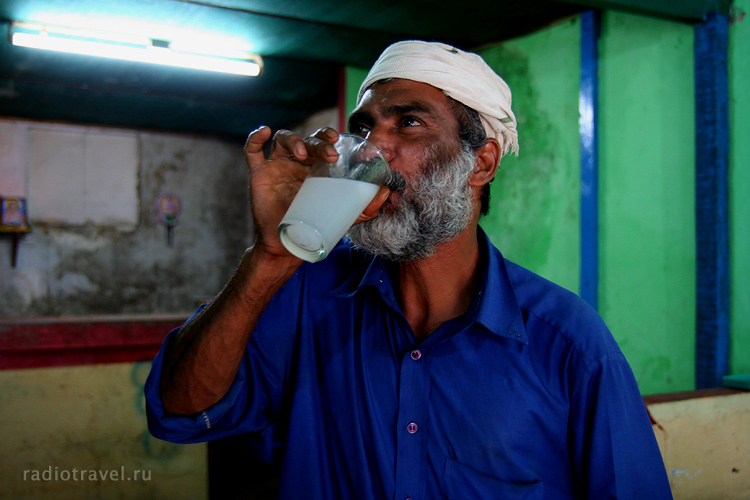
<point x="134" y="48"/>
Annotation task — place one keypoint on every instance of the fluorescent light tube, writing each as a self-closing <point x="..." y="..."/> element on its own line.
<point x="131" y="48"/>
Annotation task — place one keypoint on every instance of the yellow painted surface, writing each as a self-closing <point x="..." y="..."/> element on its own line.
<point x="705" y="443"/>
<point x="80" y="432"/>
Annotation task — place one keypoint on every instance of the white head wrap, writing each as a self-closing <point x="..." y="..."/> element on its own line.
<point x="461" y="75"/>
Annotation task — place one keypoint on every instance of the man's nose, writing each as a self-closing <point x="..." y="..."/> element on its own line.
<point x="381" y="139"/>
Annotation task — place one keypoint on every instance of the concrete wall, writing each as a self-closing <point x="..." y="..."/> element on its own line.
<point x="97" y="246"/>
<point x="705" y="442"/>
<point x="61" y="425"/>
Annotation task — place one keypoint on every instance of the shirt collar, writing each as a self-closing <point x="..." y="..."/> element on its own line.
<point x="497" y="310"/>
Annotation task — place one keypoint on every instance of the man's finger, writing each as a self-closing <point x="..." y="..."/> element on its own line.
<point x="320" y="144"/>
<point x="373" y="209"/>
<point x="254" y="145"/>
<point x="287" y="144"/>
<point x="328" y="134"/>
<point x="321" y="148"/>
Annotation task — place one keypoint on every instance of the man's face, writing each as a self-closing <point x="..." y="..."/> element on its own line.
<point x="415" y="126"/>
<point x="406" y="119"/>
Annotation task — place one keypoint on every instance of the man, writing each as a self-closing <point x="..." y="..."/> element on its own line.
<point x="414" y="362"/>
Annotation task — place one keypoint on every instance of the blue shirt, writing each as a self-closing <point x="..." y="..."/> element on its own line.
<point x="525" y="396"/>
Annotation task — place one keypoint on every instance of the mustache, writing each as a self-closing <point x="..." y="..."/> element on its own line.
<point x="397" y="182"/>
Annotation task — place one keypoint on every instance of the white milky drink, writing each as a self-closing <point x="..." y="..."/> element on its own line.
<point x="332" y="197"/>
<point x="321" y="213"/>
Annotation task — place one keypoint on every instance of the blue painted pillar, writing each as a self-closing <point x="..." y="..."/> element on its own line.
<point x="711" y="201"/>
<point x="587" y="105"/>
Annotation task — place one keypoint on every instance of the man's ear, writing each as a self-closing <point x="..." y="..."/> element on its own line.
<point x="486" y="165"/>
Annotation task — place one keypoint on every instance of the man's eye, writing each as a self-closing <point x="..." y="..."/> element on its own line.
<point x="359" y="129"/>
<point x="410" y="122"/>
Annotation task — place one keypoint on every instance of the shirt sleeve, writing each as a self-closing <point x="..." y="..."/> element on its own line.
<point x="256" y="397"/>
<point x="616" y="453"/>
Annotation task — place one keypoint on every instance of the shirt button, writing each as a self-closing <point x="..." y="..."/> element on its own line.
<point x="412" y="428"/>
<point x="415" y="355"/>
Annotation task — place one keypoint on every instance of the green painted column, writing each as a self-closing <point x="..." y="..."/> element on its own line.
<point x="739" y="189"/>
<point x="647" y="206"/>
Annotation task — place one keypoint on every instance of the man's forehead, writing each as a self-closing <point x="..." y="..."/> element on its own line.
<point x="399" y="94"/>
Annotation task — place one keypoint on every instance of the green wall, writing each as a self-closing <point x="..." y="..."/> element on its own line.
<point x="647" y="190"/>
<point x="535" y="197"/>
<point x="354" y="78"/>
<point x="646" y="196"/>
<point x="739" y="190"/>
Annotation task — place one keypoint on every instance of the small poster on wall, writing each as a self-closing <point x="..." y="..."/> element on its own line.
<point x="169" y="209"/>
<point x="13" y="217"/>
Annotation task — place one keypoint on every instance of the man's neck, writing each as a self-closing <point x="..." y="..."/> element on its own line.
<point x="441" y="287"/>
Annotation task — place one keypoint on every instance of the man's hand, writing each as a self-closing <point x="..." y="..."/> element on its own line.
<point x="275" y="181"/>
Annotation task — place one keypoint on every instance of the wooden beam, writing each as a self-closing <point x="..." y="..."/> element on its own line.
<point x="85" y="340"/>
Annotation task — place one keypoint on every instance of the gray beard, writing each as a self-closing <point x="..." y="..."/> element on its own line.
<point x="432" y="211"/>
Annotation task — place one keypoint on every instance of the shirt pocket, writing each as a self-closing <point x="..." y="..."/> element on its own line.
<point x="463" y="482"/>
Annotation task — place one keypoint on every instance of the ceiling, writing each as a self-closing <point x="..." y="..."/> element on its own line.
<point x="304" y="44"/>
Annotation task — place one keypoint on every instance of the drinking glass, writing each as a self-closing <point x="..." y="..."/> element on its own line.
<point x="332" y="197"/>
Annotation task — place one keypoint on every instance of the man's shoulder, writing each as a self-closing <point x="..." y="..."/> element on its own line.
<point x="550" y="309"/>
<point x="539" y="294"/>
